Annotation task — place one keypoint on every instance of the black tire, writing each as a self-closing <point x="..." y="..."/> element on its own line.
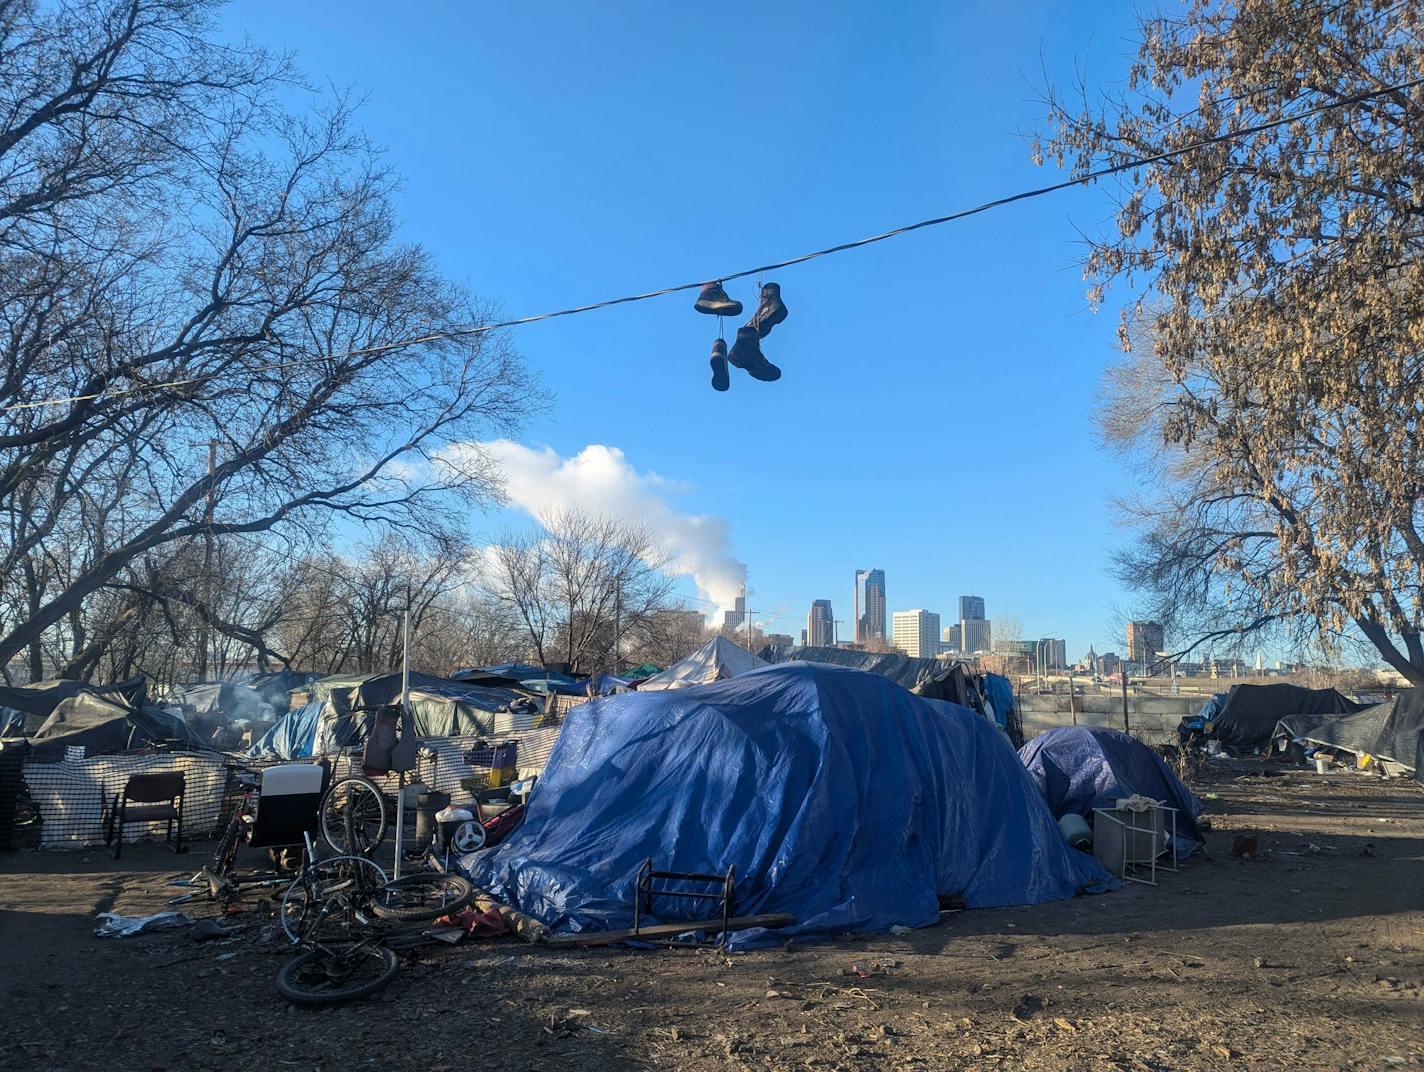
<point x="334" y="976"/>
<point x="226" y="851"/>
<point x="358" y="804"/>
<point x="422" y="897"/>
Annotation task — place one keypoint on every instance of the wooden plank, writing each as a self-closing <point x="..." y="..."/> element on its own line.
<point x="671" y="930"/>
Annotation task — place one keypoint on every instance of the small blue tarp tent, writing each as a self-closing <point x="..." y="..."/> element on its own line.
<point x="838" y="796"/>
<point x="294" y="734"/>
<point x="1080" y="768"/>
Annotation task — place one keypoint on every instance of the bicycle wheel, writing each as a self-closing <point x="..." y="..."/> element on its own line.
<point x="331" y="976"/>
<point x="423" y="896"/>
<point x="353" y="816"/>
<point x="329" y="895"/>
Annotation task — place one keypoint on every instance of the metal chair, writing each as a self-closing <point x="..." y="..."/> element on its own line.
<point x="160" y="800"/>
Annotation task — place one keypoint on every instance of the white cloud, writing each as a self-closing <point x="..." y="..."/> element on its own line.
<point x="600" y="479"/>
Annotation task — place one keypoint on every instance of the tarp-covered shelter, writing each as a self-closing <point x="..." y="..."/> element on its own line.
<point x="37" y="701"/>
<point x="716" y="660"/>
<point x="276" y="686"/>
<point x="1080" y="768"/>
<point x="225" y="700"/>
<point x="342" y="707"/>
<point x="904" y="670"/>
<point x="1393" y="730"/>
<point x="1248" y="717"/>
<point x="103" y="722"/>
<point x="838" y="797"/>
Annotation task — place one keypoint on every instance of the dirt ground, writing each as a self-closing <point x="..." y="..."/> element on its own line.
<point x="1312" y="957"/>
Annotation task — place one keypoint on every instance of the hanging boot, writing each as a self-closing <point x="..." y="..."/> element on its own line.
<point x="746" y="354"/>
<point x="770" y="312"/>
<point x="714" y="302"/>
<point x="720" y="379"/>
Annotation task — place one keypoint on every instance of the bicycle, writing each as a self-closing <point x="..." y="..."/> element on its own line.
<point x="345" y="926"/>
<point x="354" y="815"/>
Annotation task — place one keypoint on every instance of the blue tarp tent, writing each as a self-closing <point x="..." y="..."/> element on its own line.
<point x="1080" y="768"/>
<point x="839" y="797"/>
<point x="294" y="735"/>
<point x="999" y="691"/>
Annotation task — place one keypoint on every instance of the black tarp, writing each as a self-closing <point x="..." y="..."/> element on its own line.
<point x="1393" y="730"/>
<point x="1249" y="716"/>
<point x="37" y="701"/>
<point x="905" y="671"/>
<point x="274" y="686"/>
<point x="104" y="723"/>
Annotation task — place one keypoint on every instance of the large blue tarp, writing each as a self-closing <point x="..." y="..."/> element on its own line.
<point x="1080" y="768"/>
<point x="293" y="736"/>
<point x="838" y="796"/>
<point x="999" y="691"/>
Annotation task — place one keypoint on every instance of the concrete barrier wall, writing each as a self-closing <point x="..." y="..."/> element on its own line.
<point x="1152" y="718"/>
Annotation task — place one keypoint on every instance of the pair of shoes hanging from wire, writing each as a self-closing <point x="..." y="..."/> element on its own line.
<point x="746" y="352"/>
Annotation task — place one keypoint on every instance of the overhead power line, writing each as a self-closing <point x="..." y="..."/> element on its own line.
<point x="998" y="202"/>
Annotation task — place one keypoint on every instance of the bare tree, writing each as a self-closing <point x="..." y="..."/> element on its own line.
<point x="579" y="583"/>
<point x="184" y="262"/>
<point x="1276" y="367"/>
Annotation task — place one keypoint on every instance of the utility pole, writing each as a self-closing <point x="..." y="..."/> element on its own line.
<point x="617" y="626"/>
<point x="1126" y="726"/>
<point x="1072" y="703"/>
<point x="207" y="563"/>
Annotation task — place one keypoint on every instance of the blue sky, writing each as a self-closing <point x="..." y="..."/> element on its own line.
<point x="933" y="416"/>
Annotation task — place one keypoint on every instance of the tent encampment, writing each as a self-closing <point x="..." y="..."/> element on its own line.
<point x="716" y="660"/>
<point x="839" y="797"/>
<point x="1248" y="717"/>
<point x="341" y="709"/>
<point x="1080" y="768"/>
<point x="1393" y="730"/>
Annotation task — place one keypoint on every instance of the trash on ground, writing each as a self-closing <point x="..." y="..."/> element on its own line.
<point x="114" y="925"/>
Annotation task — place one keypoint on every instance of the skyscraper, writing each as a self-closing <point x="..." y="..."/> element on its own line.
<point x="869" y="605"/>
<point x="971" y="608"/>
<point x="1144" y="641"/>
<point x="821" y="625"/>
<point x="949" y="640"/>
<point x="732" y="619"/>
<point x="916" y="633"/>
<point x="974" y="635"/>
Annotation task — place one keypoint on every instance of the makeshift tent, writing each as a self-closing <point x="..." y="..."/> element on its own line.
<point x="716" y="660"/>
<point x="276" y="686"/>
<point x="1080" y="768"/>
<point x="104" y="722"/>
<point x="838" y="797"/>
<point x="37" y="701"/>
<point x="343" y="705"/>
<point x="1204" y="717"/>
<point x="1249" y="716"/>
<point x="1393" y="730"/>
<point x="294" y="735"/>
<point x="225" y="700"/>
<point x="641" y="671"/>
<point x="905" y="671"/>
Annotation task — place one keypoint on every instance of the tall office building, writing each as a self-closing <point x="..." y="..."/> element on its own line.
<point x="949" y="639"/>
<point x="971" y="608"/>
<point x="869" y="605"/>
<point x="821" y="625"/>
<point x="733" y="620"/>
<point x="1144" y="641"/>
<point x="1051" y="654"/>
<point x="916" y="633"/>
<point x="974" y="635"/>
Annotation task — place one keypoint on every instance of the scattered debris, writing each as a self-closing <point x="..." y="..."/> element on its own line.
<point x="114" y="925"/>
